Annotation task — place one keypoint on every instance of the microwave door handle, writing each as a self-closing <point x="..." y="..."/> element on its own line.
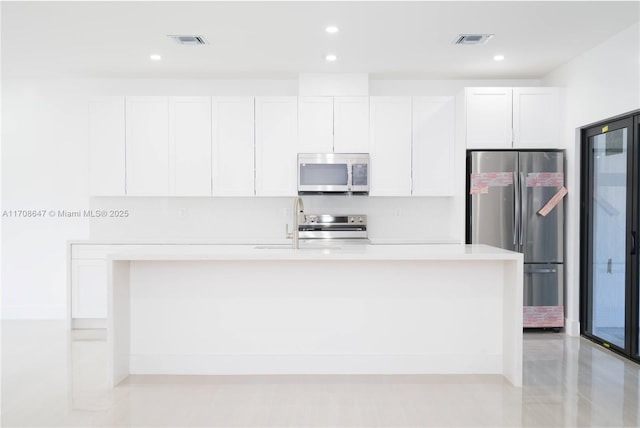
<point x="349" y="175"/>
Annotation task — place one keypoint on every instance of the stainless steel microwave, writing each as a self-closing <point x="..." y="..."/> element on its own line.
<point x="333" y="173"/>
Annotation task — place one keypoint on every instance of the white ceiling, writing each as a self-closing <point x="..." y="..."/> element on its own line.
<point x="280" y="39"/>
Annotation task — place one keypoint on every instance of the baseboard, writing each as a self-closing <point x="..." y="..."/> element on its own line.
<point x="315" y="364"/>
<point x="571" y="327"/>
<point x="34" y="313"/>
<point x="82" y="323"/>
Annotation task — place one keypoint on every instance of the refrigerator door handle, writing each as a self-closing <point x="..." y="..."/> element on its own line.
<point x="516" y="208"/>
<point x="633" y="243"/>
<point x="523" y="223"/>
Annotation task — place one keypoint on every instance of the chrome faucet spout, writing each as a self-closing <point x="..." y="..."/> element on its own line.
<point x="298" y="217"/>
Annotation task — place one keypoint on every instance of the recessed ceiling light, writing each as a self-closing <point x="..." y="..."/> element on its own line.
<point x="331" y="29"/>
<point x="331" y="57"/>
<point x="155" y="57"/>
<point x="498" y="58"/>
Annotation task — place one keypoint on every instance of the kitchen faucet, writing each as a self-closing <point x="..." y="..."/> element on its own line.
<point x="298" y="217"/>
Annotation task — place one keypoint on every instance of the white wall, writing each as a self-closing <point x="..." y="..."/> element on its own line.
<point x="45" y="167"/>
<point x="601" y="83"/>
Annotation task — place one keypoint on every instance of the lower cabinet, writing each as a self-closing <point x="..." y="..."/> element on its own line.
<point x="88" y="293"/>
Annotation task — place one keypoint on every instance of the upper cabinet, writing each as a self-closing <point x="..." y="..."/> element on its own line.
<point x="351" y="124"/>
<point x="390" y="132"/>
<point x="315" y="124"/>
<point x="106" y="146"/>
<point x="168" y="146"/>
<point x="246" y="146"/>
<point x="147" y="146"/>
<point x="190" y="146"/>
<point x="488" y="117"/>
<point x="536" y="118"/>
<point x="504" y="118"/>
<point x="276" y="145"/>
<point x="333" y="124"/>
<point x="433" y="149"/>
<point x="232" y="145"/>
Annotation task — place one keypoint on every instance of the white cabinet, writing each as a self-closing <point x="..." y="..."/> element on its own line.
<point x="504" y="118"/>
<point x="147" y="144"/>
<point x="88" y="289"/>
<point x="315" y="124"/>
<point x="168" y="146"/>
<point x="233" y="146"/>
<point x="88" y="285"/>
<point x="488" y="118"/>
<point x="276" y="140"/>
<point x="390" y="126"/>
<point x="351" y="124"/>
<point x="333" y="124"/>
<point x="433" y="147"/>
<point x="106" y="146"/>
<point x="536" y="118"/>
<point x="190" y="146"/>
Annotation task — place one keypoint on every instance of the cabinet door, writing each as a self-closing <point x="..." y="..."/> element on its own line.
<point x="489" y="121"/>
<point x="147" y="133"/>
<point x="433" y="146"/>
<point x="88" y="289"/>
<point x="315" y="124"/>
<point x="190" y="146"/>
<point x="536" y="119"/>
<point x="351" y="124"/>
<point x="106" y="146"/>
<point x="276" y="146"/>
<point x="233" y="146"/>
<point x="390" y="146"/>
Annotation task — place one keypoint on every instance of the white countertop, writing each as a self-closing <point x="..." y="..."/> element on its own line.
<point x="337" y="252"/>
<point x="246" y="241"/>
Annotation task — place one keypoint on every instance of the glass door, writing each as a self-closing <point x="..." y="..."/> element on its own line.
<point x="609" y="263"/>
<point x="635" y="245"/>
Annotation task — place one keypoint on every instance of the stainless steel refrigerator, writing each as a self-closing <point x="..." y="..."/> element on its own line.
<point x="515" y="202"/>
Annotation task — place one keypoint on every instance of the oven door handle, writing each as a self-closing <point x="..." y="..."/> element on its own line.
<point x="545" y="270"/>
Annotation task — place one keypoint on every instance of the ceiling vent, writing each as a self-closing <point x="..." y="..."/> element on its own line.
<point x="472" y="39"/>
<point x="189" y="40"/>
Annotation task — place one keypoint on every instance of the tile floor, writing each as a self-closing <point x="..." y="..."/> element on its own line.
<point x="54" y="378"/>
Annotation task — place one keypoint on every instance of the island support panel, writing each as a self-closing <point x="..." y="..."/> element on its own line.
<point x="316" y="317"/>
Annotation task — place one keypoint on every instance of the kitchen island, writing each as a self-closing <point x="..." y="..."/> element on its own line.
<point x="360" y="309"/>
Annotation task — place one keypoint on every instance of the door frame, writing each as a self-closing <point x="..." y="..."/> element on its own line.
<point x="632" y="123"/>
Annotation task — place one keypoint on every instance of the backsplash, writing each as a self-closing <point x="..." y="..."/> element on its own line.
<point x="263" y="219"/>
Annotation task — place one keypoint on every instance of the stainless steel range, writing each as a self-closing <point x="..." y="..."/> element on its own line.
<point x="350" y="228"/>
